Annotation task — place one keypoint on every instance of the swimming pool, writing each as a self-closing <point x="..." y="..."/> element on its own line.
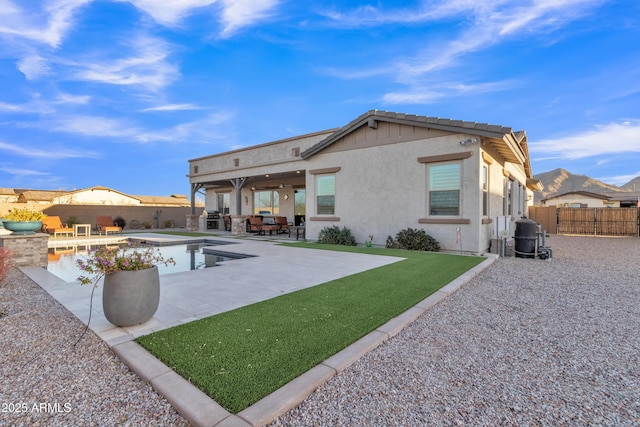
<point x="191" y="256"/>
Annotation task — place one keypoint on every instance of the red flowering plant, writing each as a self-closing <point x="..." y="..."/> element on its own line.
<point x="106" y="260"/>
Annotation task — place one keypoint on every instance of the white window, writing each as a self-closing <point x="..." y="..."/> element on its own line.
<point x="325" y="194"/>
<point x="444" y="189"/>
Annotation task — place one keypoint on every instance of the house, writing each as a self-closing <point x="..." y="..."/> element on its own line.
<point x="586" y="199"/>
<point x="379" y="174"/>
<point x="580" y="199"/>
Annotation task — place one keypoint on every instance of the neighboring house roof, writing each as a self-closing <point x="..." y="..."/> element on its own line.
<point x="624" y="196"/>
<point x="512" y="145"/>
<point x="54" y="196"/>
<point x="600" y="196"/>
<point x="163" y="200"/>
<point x="38" y="195"/>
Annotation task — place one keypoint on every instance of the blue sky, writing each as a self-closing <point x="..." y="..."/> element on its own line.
<point x="124" y="93"/>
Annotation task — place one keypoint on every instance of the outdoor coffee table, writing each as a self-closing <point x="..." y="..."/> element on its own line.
<point x="300" y="229"/>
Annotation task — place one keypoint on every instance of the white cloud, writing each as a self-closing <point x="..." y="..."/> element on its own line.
<point x="620" y="179"/>
<point x="422" y="95"/>
<point x="197" y="131"/>
<point x="22" y="172"/>
<point x="234" y="14"/>
<point x="173" y="107"/>
<point x="170" y="12"/>
<point x="91" y="126"/>
<point x="242" y="13"/>
<point x="65" y="98"/>
<point x="33" y="66"/>
<point x="146" y="65"/>
<point x="46" y="21"/>
<point x="32" y="152"/>
<point x="486" y="23"/>
<point x="612" y="138"/>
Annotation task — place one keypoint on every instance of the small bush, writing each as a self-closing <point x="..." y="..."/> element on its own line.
<point x="71" y="221"/>
<point x="119" y="222"/>
<point x="335" y="236"/>
<point x="414" y="240"/>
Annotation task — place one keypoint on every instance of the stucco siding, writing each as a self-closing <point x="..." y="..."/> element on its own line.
<point x="383" y="189"/>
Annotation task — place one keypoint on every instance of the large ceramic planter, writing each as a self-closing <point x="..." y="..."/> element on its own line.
<point x="22" y="227"/>
<point x="131" y="297"/>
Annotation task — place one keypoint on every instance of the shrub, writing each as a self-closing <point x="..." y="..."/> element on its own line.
<point x="24" y="215"/>
<point x="334" y="235"/>
<point x="71" y="221"/>
<point x="119" y="222"/>
<point x="414" y="240"/>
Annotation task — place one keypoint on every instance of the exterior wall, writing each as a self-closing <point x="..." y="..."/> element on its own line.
<point x="383" y="189"/>
<point x="87" y="214"/>
<point x="579" y="200"/>
<point x="263" y="159"/>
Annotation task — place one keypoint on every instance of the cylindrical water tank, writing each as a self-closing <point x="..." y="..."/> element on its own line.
<point x="525" y="238"/>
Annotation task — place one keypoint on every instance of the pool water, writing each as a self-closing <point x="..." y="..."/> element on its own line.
<point x="195" y="256"/>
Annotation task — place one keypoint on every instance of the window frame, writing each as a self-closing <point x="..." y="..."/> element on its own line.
<point x="318" y="180"/>
<point x="485" y="190"/>
<point x="457" y="188"/>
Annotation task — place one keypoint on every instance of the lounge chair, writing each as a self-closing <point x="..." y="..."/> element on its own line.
<point x="105" y="224"/>
<point x="53" y="225"/>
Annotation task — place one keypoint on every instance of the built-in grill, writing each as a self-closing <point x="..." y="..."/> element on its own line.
<point x="213" y="220"/>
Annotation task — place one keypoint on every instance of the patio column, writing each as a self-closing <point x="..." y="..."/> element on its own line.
<point x="238" y="183"/>
<point x="194" y="190"/>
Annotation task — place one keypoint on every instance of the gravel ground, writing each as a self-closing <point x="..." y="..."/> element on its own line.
<point x="46" y="381"/>
<point x="526" y="343"/>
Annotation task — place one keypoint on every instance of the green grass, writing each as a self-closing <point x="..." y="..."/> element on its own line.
<point x="238" y="357"/>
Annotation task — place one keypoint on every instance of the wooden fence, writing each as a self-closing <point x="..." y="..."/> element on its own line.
<point x="588" y="221"/>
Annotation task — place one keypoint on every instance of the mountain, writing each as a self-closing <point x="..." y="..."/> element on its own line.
<point x="560" y="181"/>
<point x="633" y="185"/>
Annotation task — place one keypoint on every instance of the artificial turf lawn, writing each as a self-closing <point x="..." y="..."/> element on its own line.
<point x="241" y="356"/>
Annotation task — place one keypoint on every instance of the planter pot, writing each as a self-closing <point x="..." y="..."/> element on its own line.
<point x="131" y="297"/>
<point x="22" y="227"/>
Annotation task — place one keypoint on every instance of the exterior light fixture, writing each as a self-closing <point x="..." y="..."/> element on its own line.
<point x="469" y="141"/>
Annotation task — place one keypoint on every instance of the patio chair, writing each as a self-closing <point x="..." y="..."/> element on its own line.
<point x="53" y="225"/>
<point x="255" y="224"/>
<point x="284" y="225"/>
<point x="227" y="222"/>
<point x="105" y="224"/>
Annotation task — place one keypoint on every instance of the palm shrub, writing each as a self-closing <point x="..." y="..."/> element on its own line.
<point x="414" y="240"/>
<point x="336" y="236"/>
<point x="119" y="222"/>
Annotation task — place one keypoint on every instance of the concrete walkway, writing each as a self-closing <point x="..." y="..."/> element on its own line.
<point x="274" y="270"/>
